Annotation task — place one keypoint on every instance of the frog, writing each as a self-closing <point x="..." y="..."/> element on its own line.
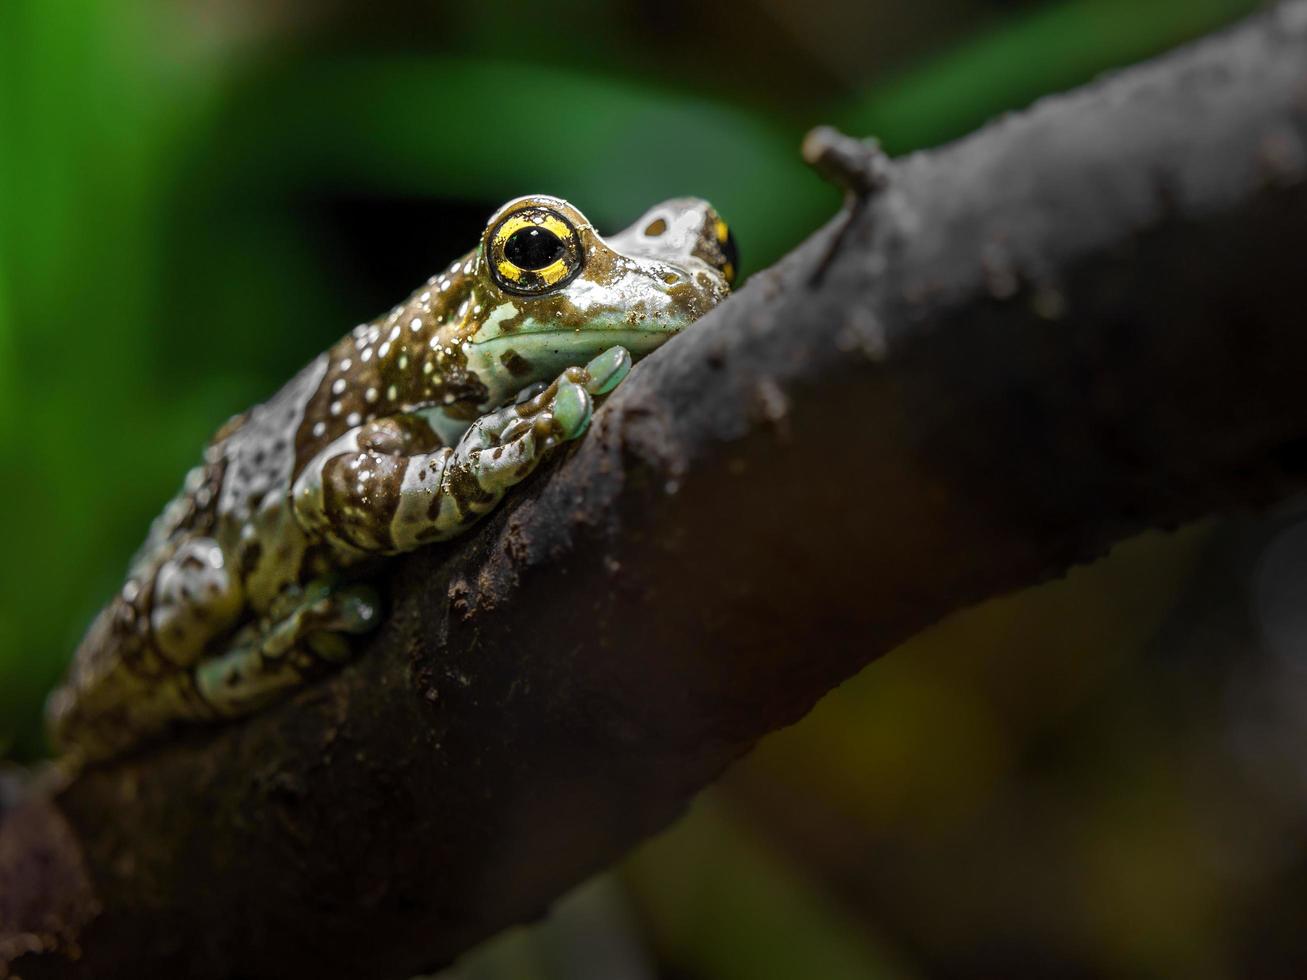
<point x="258" y="577"/>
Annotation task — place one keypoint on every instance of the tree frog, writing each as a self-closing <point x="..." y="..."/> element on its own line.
<point x="413" y="426"/>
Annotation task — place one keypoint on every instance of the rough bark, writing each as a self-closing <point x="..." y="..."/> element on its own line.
<point x="1077" y="323"/>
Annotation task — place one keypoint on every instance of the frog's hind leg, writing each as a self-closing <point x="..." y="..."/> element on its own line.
<point x="266" y="659"/>
<point x="195" y="597"/>
<point x="131" y="674"/>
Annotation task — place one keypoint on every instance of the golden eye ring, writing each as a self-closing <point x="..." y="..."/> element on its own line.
<point x="534" y="250"/>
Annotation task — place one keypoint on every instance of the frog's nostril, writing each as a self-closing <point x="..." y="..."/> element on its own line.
<point x="655" y="228"/>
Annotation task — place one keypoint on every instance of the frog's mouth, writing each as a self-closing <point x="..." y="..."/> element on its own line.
<point x="576" y="342"/>
<point x="509" y="362"/>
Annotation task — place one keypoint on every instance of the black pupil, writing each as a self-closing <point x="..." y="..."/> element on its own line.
<point x="533" y="248"/>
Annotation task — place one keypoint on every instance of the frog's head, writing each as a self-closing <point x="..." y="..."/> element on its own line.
<point x="555" y="292"/>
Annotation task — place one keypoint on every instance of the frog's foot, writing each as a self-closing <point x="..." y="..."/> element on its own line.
<point x="551" y="413"/>
<point x="503" y="447"/>
<point x="600" y="376"/>
<point x="268" y="659"/>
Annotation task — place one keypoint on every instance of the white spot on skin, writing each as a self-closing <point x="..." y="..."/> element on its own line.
<point x="370" y="396"/>
<point x="366" y="355"/>
<point x="338" y="386"/>
<point x="319" y="429"/>
<point x="394" y="335"/>
<point x="354" y="418"/>
<point x="403" y="361"/>
<point x="416" y="323"/>
<point x="384" y="349"/>
<point x="491" y="328"/>
<point x="335" y="408"/>
<point x="392" y="393"/>
<point x="467" y="269"/>
<point x="346" y="364"/>
<point x="428" y="367"/>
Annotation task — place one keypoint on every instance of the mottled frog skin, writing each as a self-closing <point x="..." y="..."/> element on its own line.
<point x="405" y="432"/>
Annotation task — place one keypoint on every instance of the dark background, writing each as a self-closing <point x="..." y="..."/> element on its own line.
<point x="1100" y="777"/>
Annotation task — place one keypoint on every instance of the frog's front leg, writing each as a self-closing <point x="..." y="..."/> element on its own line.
<point x="364" y="498"/>
<point x="385" y="488"/>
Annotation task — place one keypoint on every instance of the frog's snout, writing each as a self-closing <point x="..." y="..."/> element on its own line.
<point x="683" y="228"/>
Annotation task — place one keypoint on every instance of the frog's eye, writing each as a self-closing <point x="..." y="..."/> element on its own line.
<point x="534" y="251"/>
<point x="730" y="252"/>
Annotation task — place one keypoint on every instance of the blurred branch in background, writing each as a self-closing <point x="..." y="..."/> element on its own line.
<point x="1073" y="325"/>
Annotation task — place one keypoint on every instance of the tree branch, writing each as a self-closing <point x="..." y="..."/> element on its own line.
<point x="1078" y="323"/>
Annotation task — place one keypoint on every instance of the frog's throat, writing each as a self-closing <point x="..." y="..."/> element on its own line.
<point x="509" y="362"/>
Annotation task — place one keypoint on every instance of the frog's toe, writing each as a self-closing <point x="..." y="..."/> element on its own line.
<point x="607" y="370"/>
<point x="355" y="609"/>
<point x="571" y="409"/>
<point x="529" y="392"/>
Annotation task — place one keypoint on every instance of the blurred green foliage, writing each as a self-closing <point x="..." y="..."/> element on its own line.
<point x="196" y="197"/>
<point x="1051" y="48"/>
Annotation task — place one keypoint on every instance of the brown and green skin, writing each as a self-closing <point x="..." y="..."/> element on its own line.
<point x="407" y="431"/>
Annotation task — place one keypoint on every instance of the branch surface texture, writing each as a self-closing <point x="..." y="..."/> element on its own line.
<point x="1079" y="322"/>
